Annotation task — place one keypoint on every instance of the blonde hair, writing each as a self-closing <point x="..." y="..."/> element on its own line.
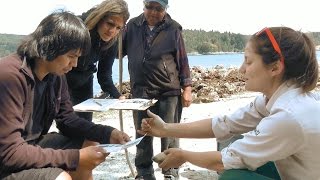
<point x="106" y="9"/>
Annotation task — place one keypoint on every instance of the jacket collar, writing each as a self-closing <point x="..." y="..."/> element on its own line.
<point x="286" y="90"/>
<point x="26" y="69"/>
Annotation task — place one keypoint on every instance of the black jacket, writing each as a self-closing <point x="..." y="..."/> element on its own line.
<point x="87" y="65"/>
<point x="155" y="73"/>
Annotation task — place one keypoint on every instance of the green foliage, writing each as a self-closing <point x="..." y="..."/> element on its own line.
<point x="206" y="48"/>
<point x="9" y="43"/>
<point x="213" y="41"/>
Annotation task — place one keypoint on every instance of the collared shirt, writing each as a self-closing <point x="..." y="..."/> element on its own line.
<point x="285" y="129"/>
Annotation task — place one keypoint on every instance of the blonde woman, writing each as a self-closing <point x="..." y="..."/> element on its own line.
<point x="105" y="21"/>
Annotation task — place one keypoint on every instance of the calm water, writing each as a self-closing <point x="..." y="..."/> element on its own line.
<point x="206" y="61"/>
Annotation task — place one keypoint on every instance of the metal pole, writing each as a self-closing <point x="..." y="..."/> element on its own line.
<point x="120" y="89"/>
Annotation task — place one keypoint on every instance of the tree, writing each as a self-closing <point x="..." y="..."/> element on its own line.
<point x="205" y="48"/>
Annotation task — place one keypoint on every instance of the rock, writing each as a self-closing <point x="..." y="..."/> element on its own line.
<point x="210" y="85"/>
<point x="159" y="157"/>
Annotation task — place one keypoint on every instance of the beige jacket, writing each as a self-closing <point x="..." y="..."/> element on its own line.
<point x="286" y="130"/>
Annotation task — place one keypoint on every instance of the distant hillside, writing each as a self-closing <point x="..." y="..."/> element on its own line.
<point x="9" y="43"/>
<point x="316" y="37"/>
<point x="203" y="42"/>
<point x="196" y="41"/>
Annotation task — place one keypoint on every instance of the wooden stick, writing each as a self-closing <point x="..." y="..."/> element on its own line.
<point x="120" y="90"/>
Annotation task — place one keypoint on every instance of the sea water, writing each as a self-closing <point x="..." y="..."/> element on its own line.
<point x="205" y="61"/>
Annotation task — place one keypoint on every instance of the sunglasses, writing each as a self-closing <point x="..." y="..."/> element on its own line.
<point x="155" y="8"/>
<point x="273" y="41"/>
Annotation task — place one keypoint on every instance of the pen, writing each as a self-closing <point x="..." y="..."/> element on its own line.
<point x="97" y="102"/>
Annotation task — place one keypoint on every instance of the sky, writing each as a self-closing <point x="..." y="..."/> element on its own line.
<point x="237" y="16"/>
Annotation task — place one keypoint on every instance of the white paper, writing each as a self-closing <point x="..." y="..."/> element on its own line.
<point x="111" y="147"/>
<point x="106" y="104"/>
<point x="119" y="147"/>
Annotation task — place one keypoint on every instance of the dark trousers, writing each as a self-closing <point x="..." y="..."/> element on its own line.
<point x="169" y="109"/>
<point x="51" y="140"/>
<point x="265" y="172"/>
<point x="80" y="94"/>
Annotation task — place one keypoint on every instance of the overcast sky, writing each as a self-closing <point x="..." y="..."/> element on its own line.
<point x="238" y="16"/>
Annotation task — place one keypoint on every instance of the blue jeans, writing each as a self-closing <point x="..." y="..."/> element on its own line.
<point x="169" y="109"/>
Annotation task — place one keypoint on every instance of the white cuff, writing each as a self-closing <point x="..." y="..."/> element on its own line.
<point x="231" y="160"/>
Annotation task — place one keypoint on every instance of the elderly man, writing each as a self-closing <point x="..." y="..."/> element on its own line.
<point x="158" y="68"/>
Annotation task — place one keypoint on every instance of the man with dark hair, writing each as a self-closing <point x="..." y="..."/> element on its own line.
<point x="34" y="93"/>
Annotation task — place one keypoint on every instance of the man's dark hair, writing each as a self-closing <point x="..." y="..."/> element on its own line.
<point x="56" y="34"/>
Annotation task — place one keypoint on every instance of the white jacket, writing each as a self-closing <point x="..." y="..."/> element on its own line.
<point x="285" y="130"/>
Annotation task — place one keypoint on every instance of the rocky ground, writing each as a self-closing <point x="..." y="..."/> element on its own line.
<point x="209" y="85"/>
<point x="116" y="167"/>
<point x="213" y="84"/>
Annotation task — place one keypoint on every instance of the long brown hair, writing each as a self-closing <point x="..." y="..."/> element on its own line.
<point x="106" y="9"/>
<point x="298" y="53"/>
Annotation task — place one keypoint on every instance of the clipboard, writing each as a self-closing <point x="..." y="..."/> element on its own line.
<point x="100" y="105"/>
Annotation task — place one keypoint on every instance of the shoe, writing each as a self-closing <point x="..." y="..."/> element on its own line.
<point x="145" y="177"/>
<point x="171" y="172"/>
<point x="170" y="177"/>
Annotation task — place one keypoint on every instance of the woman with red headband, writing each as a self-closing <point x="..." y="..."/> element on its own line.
<point x="281" y="126"/>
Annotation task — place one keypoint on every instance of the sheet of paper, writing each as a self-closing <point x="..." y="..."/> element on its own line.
<point x="98" y="105"/>
<point x="119" y="147"/>
<point x="95" y="105"/>
<point x="111" y="147"/>
<point x="139" y="104"/>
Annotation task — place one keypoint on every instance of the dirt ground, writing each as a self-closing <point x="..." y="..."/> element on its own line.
<point x="115" y="167"/>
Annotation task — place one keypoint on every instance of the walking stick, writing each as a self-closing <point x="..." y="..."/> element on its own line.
<point x="120" y="89"/>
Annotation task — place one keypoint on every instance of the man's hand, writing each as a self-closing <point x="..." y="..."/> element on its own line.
<point x="153" y="126"/>
<point x="119" y="137"/>
<point x="186" y="97"/>
<point x="91" y="156"/>
<point x="122" y="97"/>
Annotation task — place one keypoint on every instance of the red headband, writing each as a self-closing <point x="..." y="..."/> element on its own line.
<point x="274" y="43"/>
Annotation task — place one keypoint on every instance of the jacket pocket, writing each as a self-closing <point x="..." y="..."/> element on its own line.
<point x="166" y="70"/>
